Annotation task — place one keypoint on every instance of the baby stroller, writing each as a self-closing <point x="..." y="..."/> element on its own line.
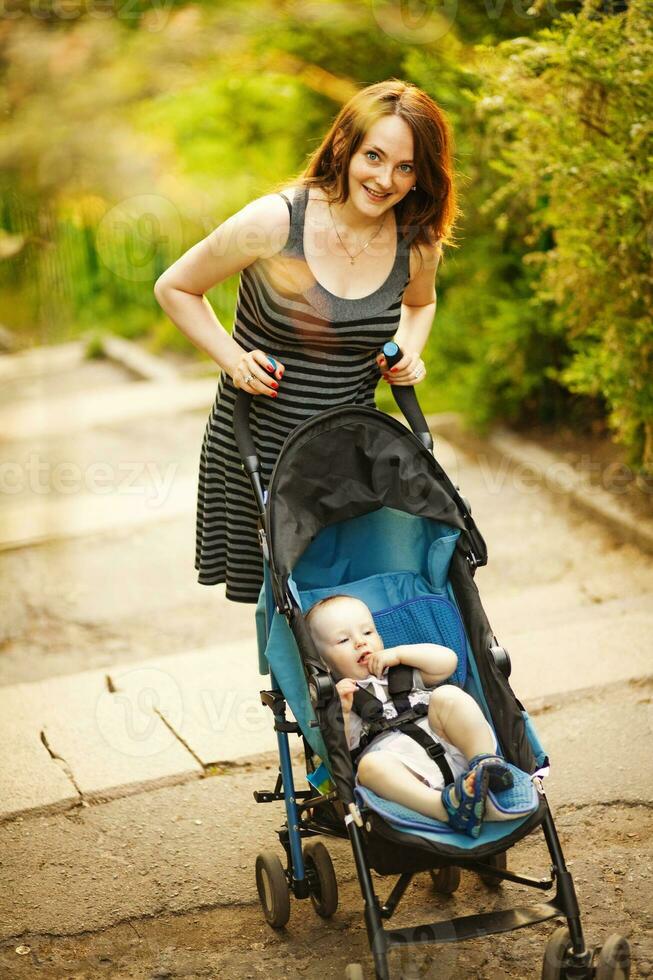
<point x="358" y="504"/>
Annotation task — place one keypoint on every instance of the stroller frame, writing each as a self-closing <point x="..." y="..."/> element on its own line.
<point x="457" y="929"/>
<point x="310" y="814"/>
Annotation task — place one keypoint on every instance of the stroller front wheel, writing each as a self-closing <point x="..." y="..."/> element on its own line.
<point x="555" y="954"/>
<point x="613" y="962"/>
<point x="272" y="889"/>
<point x="322" y="878"/>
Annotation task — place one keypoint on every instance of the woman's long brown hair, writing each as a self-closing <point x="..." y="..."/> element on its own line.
<point x="432" y="208"/>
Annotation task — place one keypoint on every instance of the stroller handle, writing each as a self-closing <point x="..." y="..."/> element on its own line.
<point x="406" y="398"/>
<point x="404" y="395"/>
<point x="246" y="447"/>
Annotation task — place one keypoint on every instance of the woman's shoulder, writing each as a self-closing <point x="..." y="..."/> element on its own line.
<point x="292" y="192"/>
<point x="270" y="216"/>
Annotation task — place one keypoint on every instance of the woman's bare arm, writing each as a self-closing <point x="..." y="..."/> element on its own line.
<point x="258" y="230"/>
<point x="418" y="307"/>
<point x="418" y="303"/>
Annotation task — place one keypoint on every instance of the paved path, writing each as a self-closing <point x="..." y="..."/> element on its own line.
<point x="572" y="605"/>
<point x="129" y="714"/>
<point x="192" y="846"/>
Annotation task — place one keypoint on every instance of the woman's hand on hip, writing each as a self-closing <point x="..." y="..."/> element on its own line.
<point x="255" y="374"/>
<point x="410" y="370"/>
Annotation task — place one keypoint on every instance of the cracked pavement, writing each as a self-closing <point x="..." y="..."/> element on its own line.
<point x="134" y="735"/>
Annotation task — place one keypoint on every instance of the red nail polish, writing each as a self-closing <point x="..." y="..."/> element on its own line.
<point x="274" y="384"/>
<point x="273" y="395"/>
<point x="268" y="367"/>
<point x="394" y="369"/>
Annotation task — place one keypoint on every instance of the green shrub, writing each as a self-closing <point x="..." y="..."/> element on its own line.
<point x="567" y="130"/>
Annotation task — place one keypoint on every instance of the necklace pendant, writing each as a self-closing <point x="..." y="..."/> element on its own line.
<point x="352" y="262"/>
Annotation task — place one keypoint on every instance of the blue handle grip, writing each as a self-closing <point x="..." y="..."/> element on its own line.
<point x="392" y="353"/>
<point x="406" y="398"/>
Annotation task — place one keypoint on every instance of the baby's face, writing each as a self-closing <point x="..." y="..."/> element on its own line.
<point x="345" y="635"/>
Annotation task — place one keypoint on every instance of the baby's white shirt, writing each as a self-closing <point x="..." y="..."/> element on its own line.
<point x="419" y="694"/>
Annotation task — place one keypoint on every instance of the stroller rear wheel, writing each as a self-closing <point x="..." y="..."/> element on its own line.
<point x="322" y="878"/>
<point x="272" y="889"/>
<point x="500" y="862"/>
<point x="446" y="880"/>
<point x="613" y="962"/>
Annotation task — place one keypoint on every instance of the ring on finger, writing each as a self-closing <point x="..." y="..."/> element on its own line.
<point x="248" y="378"/>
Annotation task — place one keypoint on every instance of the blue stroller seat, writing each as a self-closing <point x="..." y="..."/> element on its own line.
<point x="413" y="603"/>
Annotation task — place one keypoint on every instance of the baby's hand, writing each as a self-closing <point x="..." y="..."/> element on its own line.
<point x="378" y="663"/>
<point x="346" y="689"/>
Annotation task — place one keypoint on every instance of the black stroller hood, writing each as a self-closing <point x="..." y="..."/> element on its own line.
<point x="351" y="461"/>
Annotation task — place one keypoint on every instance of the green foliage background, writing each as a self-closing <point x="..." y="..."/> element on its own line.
<point x="126" y="139"/>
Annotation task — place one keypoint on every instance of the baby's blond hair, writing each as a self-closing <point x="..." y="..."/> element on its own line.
<point x="322" y="602"/>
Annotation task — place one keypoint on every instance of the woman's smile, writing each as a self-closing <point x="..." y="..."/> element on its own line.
<point x="374" y="196"/>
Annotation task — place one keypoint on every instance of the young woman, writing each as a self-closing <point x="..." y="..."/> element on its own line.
<point x="341" y="261"/>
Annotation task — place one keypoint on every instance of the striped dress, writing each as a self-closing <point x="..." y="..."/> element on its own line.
<point x="328" y="346"/>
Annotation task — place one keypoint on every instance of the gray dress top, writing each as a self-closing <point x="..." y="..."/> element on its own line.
<point x="328" y="345"/>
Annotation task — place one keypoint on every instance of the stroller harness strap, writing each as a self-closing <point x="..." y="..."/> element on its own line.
<point x="370" y="710"/>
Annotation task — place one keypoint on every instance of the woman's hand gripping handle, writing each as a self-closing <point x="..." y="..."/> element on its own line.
<point x="404" y="392"/>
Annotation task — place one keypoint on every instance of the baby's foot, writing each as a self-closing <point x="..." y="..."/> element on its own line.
<point x="464" y="801"/>
<point x="469" y="782"/>
<point x="500" y="776"/>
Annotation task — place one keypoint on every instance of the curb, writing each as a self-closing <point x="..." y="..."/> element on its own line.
<point x="552" y="472"/>
<point x="132" y="357"/>
<point x="259" y="762"/>
<point x="8" y="341"/>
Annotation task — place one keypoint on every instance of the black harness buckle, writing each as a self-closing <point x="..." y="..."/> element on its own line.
<point x="436" y="751"/>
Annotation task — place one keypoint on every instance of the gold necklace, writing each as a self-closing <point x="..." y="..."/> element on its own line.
<point x="353" y="257"/>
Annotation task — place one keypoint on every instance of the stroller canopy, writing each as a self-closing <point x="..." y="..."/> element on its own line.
<point x="349" y="462"/>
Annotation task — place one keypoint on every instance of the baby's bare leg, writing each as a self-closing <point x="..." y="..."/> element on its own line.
<point x="455" y="716"/>
<point x="386" y="775"/>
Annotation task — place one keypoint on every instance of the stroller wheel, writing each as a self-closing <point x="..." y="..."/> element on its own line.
<point x="354" y="971"/>
<point x="555" y="954"/>
<point x="500" y="862"/>
<point x="446" y="880"/>
<point x="613" y="962"/>
<point x="322" y="878"/>
<point x="272" y="889"/>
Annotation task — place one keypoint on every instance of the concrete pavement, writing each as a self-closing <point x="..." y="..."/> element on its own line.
<point x="573" y="607"/>
<point x="102" y="734"/>
<point x="126" y="788"/>
<point x="169" y="718"/>
<point x="194" y="845"/>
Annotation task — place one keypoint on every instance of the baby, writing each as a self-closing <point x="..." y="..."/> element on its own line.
<point x="394" y="765"/>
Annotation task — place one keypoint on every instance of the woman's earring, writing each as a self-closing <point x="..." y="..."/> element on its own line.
<point x="414" y="187"/>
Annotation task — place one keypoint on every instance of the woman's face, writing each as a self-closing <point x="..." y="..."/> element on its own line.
<point x="383" y="163"/>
